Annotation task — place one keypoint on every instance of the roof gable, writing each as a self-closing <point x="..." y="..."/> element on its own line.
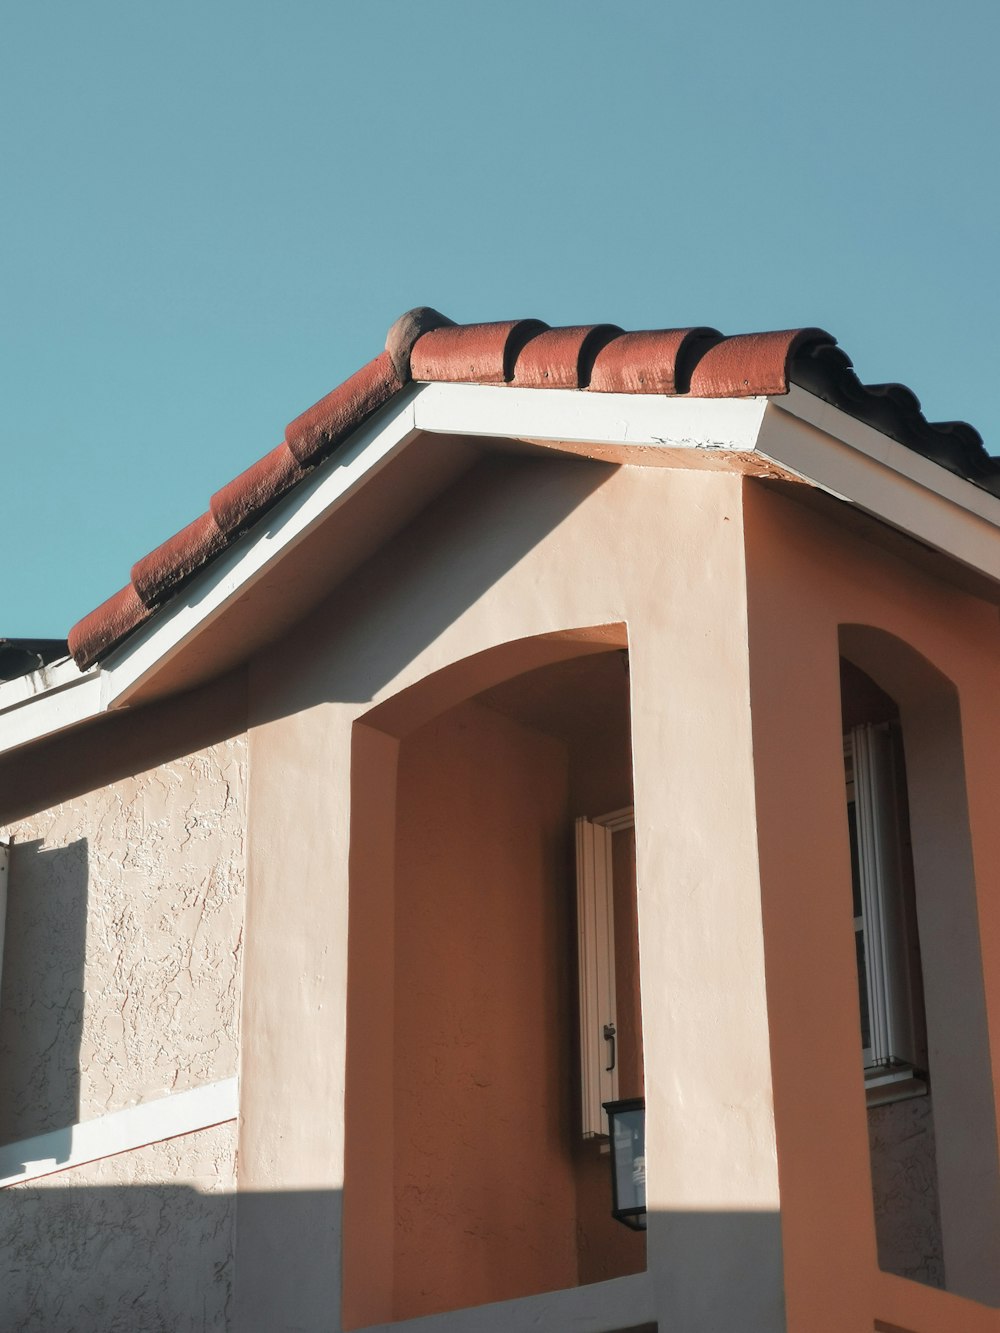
<point x="425" y="346"/>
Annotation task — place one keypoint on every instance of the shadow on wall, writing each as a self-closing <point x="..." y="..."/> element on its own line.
<point x="123" y="1258"/>
<point x="423" y="580"/>
<point x="41" y="991"/>
<point x="117" y="1259"/>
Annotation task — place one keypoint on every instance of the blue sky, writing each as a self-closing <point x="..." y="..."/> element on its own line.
<point x="213" y="211"/>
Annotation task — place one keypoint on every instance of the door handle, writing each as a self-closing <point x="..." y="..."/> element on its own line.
<point x="610" y="1034"/>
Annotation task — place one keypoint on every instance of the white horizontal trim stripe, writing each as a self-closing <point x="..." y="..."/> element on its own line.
<point x="118" y="1132"/>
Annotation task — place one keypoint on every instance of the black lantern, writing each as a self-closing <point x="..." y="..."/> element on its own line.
<point x="627" y="1125"/>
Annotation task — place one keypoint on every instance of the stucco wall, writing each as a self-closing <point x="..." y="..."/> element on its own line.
<point x="142" y="1241"/>
<point x="528" y="548"/>
<point x="483" y="1022"/>
<point x="905" y="1190"/>
<point x="808" y="575"/>
<point x="122" y="959"/>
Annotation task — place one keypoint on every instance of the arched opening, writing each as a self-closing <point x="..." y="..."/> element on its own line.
<point x="932" y="1127"/>
<point x="468" y="1174"/>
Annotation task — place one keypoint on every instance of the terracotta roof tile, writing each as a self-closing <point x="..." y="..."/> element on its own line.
<point x="161" y="572"/>
<point x="561" y="358"/>
<point x="653" y="361"/>
<point x="750" y="364"/>
<point x="425" y="345"/>
<point x="106" y="625"/>
<point x="405" y="332"/>
<point x="318" y="431"/>
<point x="473" y="353"/>
<point x="253" y="492"/>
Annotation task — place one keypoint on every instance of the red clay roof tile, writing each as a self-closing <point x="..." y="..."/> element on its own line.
<point x="405" y="332"/>
<point x="247" y="496"/>
<point x="473" y="353"/>
<point x="425" y="345"/>
<point x="319" y="430"/>
<point x="652" y="361"/>
<point x="561" y="358"/>
<point x="750" y="364"/>
<point x="163" y="570"/>
<point x="105" y="626"/>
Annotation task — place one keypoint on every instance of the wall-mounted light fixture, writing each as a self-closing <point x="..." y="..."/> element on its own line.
<point x="627" y="1125"/>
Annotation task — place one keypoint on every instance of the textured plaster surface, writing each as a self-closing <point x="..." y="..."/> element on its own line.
<point x="142" y="1241"/>
<point x="124" y="932"/>
<point x="905" y="1190"/>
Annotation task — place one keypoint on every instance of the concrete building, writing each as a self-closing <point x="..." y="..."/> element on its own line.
<point x="556" y="716"/>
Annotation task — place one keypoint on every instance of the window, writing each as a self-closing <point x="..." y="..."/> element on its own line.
<point x="595" y="915"/>
<point x="893" y="1035"/>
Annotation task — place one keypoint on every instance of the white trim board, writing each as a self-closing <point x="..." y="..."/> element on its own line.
<point x="118" y="1132"/>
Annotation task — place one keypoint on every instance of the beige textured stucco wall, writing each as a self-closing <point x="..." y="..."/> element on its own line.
<point x="142" y="1241"/>
<point x="122" y="960"/>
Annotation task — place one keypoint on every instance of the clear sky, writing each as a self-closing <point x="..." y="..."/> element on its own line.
<point x="213" y="210"/>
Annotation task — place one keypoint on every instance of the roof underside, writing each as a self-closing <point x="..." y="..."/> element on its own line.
<point x="424" y="346"/>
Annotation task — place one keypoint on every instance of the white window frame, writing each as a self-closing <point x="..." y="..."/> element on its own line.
<point x="595" y="917"/>
<point x="895" y="1057"/>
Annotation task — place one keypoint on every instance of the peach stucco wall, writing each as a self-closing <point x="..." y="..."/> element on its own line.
<point x="526" y="548"/>
<point x="806" y="576"/>
<point x="483" y="1073"/>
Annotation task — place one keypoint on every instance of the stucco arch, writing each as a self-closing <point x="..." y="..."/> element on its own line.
<point x="460" y="971"/>
<point x="415" y="705"/>
<point x="948" y="922"/>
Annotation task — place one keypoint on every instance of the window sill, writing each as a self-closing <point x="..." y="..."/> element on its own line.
<point x="893" y="1085"/>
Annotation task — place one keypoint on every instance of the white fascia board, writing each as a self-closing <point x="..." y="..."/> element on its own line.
<point x="33" y="715"/>
<point x="855" y="463"/>
<point x="227" y="578"/>
<point x="32" y="683"/>
<point x="44" y="701"/>
<point x="648" y="420"/>
<point x="45" y="714"/>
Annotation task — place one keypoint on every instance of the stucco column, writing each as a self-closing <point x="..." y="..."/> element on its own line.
<point x="294" y="1029"/>
<point x="713" y="1225"/>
